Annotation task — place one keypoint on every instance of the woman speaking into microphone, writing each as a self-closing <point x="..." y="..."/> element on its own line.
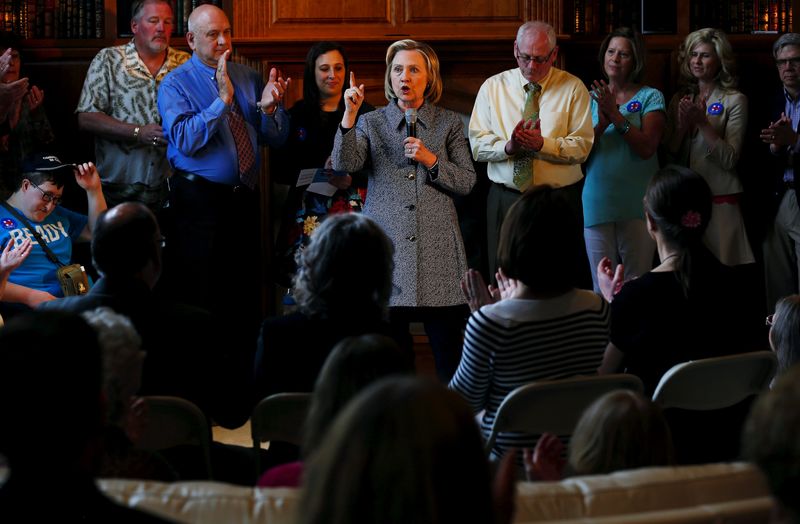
<point x="420" y="160"/>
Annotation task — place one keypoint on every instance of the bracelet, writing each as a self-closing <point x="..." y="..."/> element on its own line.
<point x="622" y="130"/>
<point x="136" y="133"/>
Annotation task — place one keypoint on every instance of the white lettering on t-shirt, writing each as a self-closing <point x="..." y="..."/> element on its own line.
<point x="49" y="232"/>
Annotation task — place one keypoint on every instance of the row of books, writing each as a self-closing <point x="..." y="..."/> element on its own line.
<point x="603" y="16"/>
<point x="733" y="16"/>
<point x="78" y="18"/>
<point x="743" y="16"/>
<point x="54" y="18"/>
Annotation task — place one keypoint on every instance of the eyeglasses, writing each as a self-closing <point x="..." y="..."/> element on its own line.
<point x="47" y="196"/>
<point x="527" y="59"/>
<point x="794" y="62"/>
<point x="771" y="319"/>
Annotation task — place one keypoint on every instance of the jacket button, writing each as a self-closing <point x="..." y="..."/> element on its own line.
<point x="411" y="207"/>
<point x="412" y="176"/>
<point x="412" y="238"/>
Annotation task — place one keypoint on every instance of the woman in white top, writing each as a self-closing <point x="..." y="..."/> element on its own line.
<point x="706" y="124"/>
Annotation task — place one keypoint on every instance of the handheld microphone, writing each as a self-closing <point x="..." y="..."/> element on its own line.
<point x="411" y="128"/>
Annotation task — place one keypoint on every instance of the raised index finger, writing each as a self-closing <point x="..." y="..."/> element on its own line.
<point x="352" y="79"/>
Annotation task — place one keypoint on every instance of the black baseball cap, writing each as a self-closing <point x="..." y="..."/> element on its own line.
<point x="44" y="163"/>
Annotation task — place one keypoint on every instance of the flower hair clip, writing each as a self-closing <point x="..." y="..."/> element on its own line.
<point x="691" y="219"/>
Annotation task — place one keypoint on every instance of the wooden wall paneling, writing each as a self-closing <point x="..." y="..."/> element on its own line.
<point x="468" y="11"/>
<point x="343" y="11"/>
<point x="369" y="19"/>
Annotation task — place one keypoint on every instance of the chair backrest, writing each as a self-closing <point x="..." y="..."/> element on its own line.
<point x="554" y="405"/>
<point x="279" y="417"/>
<point x="715" y="383"/>
<point x="173" y="421"/>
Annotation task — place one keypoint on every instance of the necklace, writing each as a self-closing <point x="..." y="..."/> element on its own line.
<point x="668" y="257"/>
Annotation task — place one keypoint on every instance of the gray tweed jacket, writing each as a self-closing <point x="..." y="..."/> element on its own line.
<point x="416" y="212"/>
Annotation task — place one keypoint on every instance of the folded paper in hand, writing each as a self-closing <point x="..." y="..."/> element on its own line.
<point x="317" y="181"/>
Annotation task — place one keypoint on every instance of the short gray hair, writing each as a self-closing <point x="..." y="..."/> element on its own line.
<point x="783" y="41"/>
<point x="346" y="268"/>
<point x="536" y="26"/>
<point x="138" y="5"/>
<point x="120" y="346"/>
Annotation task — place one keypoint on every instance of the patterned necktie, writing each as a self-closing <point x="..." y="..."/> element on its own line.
<point x="244" y="148"/>
<point x="523" y="162"/>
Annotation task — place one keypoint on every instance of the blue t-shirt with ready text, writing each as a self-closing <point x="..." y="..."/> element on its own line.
<point x="58" y="230"/>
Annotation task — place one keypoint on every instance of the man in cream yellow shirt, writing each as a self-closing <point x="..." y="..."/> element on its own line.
<point x="533" y="126"/>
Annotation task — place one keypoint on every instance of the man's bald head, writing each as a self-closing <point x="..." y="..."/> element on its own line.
<point x="209" y="34"/>
<point x="125" y="239"/>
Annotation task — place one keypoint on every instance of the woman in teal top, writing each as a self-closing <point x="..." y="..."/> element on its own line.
<point x="628" y="122"/>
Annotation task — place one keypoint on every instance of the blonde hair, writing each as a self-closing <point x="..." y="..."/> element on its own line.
<point x="433" y="92"/>
<point x="620" y="430"/>
<point x="726" y="76"/>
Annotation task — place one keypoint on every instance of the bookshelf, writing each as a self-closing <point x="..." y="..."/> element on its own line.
<point x="599" y="17"/>
<point x="98" y="20"/>
<point x="36" y="19"/>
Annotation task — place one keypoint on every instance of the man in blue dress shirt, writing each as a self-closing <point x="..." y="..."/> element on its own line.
<point x="215" y="114"/>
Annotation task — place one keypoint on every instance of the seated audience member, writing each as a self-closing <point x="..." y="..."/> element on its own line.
<point x="342" y="289"/>
<point x="620" y="430"/>
<point x="122" y="359"/>
<point x="28" y="127"/>
<point x="354" y="363"/>
<point x="10" y="259"/>
<point x="543" y="328"/>
<point x="772" y="441"/>
<point x="185" y="353"/>
<point x="34" y="204"/>
<point x="52" y="408"/>
<point x="404" y="450"/>
<point x="684" y="309"/>
<point x="784" y="333"/>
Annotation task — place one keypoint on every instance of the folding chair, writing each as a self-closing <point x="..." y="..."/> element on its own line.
<point x="715" y="383"/>
<point x="554" y="405"/>
<point x="172" y="421"/>
<point x="279" y="417"/>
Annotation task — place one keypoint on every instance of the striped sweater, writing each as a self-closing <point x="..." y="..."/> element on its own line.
<point x="518" y="341"/>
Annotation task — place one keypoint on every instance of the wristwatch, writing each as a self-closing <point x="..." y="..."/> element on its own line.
<point x="624" y="128"/>
<point x="136" y="132"/>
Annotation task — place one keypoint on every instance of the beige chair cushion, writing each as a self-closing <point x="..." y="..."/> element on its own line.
<point x="734" y="492"/>
<point x="205" y="502"/>
<point x="638" y="491"/>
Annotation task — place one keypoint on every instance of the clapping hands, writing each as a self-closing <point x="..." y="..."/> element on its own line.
<point x="12" y="257"/>
<point x="780" y="133"/>
<point x="274" y="91"/>
<point x="545" y="461"/>
<point x="609" y="279"/>
<point x="478" y="294"/>
<point x="527" y="136"/>
<point x="691" y="112"/>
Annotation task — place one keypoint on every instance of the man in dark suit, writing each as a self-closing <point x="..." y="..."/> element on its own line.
<point x="782" y="244"/>
<point x="185" y="355"/>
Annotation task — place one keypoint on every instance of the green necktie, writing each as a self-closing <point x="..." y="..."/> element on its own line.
<point x="523" y="162"/>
